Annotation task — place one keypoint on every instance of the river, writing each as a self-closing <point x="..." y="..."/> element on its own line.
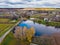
<point x="40" y="29"/>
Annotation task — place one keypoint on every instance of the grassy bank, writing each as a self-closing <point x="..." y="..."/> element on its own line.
<point x="9" y="39"/>
<point x="41" y="21"/>
<point x="47" y="23"/>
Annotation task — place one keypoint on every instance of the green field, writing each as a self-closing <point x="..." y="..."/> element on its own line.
<point x="11" y="40"/>
<point x="4" y="20"/>
<point x="6" y="24"/>
<point x="4" y="28"/>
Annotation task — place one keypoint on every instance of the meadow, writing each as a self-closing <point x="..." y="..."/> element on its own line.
<point x="4" y="20"/>
<point x="4" y="28"/>
<point x="5" y="25"/>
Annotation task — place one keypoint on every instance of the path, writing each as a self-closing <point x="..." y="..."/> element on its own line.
<point x="2" y="37"/>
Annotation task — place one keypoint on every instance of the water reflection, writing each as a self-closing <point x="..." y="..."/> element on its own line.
<point x="40" y="29"/>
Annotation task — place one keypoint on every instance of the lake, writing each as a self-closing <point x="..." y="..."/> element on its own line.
<point x="40" y="29"/>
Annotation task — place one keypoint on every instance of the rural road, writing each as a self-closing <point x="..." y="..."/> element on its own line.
<point x="2" y="37"/>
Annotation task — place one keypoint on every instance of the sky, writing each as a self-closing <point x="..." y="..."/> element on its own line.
<point x="29" y="3"/>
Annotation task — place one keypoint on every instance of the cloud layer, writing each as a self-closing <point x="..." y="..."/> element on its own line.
<point x="29" y="3"/>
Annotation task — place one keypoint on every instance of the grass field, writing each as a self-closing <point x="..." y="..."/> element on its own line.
<point x="4" y="20"/>
<point x="11" y="40"/>
<point x="4" y="28"/>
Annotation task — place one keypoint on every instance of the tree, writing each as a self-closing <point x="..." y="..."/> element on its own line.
<point x="30" y="33"/>
<point x="24" y="34"/>
<point x="18" y="33"/>
<point x="28" y="17"/>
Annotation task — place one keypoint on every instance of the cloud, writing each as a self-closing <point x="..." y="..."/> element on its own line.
<point x="29" y="3"/>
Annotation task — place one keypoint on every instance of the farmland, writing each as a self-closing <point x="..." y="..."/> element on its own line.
<point x="5" y="25"/>
<point x="4" y="28"/>
<point x="4" y="20"/>
<point x="10" y="39"/>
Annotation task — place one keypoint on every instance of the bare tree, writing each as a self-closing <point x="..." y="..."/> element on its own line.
<point x="24" y="33"/>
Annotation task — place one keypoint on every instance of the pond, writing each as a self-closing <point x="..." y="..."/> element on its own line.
<point x="40" y="29"/>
